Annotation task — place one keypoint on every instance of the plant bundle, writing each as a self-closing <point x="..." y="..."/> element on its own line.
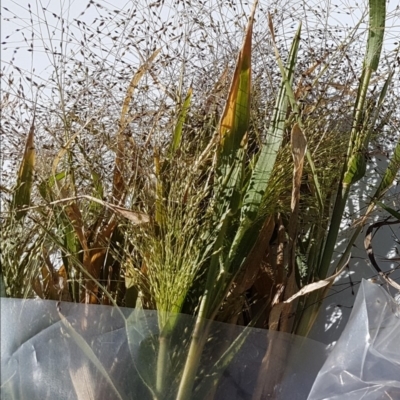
<point x="221" y="199"/>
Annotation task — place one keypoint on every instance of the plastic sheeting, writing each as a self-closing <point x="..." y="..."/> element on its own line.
<point x="365" y="362"/>
<point x="100" y="352"/>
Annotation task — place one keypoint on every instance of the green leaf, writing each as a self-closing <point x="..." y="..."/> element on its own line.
<point x="98" y="191"/>
<point x="390" y="173"/>
<point x="377" y="17"/>
<point x="356" y="168"/>
<point x="392" y="212"/>
<point x="266" y="160"/>
<point x="176" y="139"/>
<point x="233" y="127"/>
<point x="45" y="187"/>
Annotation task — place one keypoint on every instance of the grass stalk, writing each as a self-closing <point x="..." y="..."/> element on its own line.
<point x="199" y="337"/>
<point x="162" y="364"/>
<point x="355" y="164"/>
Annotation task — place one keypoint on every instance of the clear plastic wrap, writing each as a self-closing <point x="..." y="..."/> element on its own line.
<point x="100" y="352"/>
<point x="365" y="362"/>
<point x="43" y="357"/>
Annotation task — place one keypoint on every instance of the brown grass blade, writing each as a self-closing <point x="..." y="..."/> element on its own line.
<point x="118" y="179"/>
<point x="65" y="148"/>
<point x="236" y="114"/>
<point x="299" y="148"/>
<point x="22" y="195"/>
<point x="218" y="88"/>
<point x="75" y="217"/>
<point x="312" y="287"/>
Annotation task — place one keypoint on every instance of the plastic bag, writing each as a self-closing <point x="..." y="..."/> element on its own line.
<point x="365" y="362"/>
<point x="101" y="352"/>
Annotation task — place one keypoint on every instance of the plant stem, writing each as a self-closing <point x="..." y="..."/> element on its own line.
<point x="337" y="214"/>
<point x="162" y="364"/>
<point x="199" y="337"/>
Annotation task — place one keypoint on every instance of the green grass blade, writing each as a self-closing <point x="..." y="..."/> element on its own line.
<point x="266" y="160"/>
<point x="177" y="137"/>
<point x="390" y="210"/>
<point x="354" y="167"/>
<point x="161" y="167"/>
<point x="359" y="140"/>
<point x="382" y="96"/>
<point x="233" y="128"/>
<point x="249" y="224"/>
<point x="377" y="17"/>
<point x="356" y="163"/>
<point x="295" y="108"/>
<point x="232" y="131"/>
<point x="390" y="173"/>
<point x="46" y="186"/>
<point x="98" y="190"/>
<point x="212" y="378"/>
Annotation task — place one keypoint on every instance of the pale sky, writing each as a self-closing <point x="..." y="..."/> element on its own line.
<point x="16" y="16"/>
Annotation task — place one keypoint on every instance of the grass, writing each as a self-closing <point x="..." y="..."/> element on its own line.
<point x="155" y="187"/>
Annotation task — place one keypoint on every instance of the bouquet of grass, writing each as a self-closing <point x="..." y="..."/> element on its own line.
<point x="216" y="220"/>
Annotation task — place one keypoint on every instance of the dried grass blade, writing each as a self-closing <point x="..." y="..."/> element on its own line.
<point x="22" y="195"/>
<point x="299" y="148"/>
<point x="132" y="86"/>
<point x="317" y="285"/>
<point x="118" y="178"/>
<point x="236" y="115"/>
<point x="65" y="148"/>
<point x="75" y="218"/>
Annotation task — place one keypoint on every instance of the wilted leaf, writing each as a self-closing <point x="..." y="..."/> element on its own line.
<point x="312" y="287"/>
<point x="22" y="195"/>
<point x="119" y="168"/>
<point x="135" y="217"/>
<point x="236" y="115"/>
<point x="75" y="218"/>
<point x="299" y="148"/>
